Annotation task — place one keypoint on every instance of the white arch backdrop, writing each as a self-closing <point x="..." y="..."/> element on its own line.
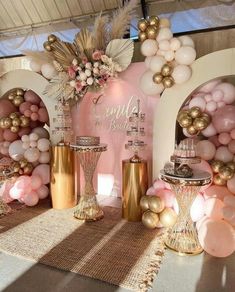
<point x="215" y="65"/>
<point x="26" y="79"/>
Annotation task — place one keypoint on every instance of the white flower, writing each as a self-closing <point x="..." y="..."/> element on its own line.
<point x="117" y="67"/>
<point x="90" y="81"/>
<point x="79" y="68"/>
<point x="83" y="76"/>
<point x="96" y="64"/>
<point x="88" y="65"/>
<point x="75" y="62"/>
<point x="88" y="72"/>
<point x="83" y="83"/>
<point x="96" y="71"/>
<point x="72" y="83"/>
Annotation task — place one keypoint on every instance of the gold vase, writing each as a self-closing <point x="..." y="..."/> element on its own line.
<point x="135" y="185"/>
<point x="62" y="177"/>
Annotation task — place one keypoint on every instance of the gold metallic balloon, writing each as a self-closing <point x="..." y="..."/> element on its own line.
<point x="166" y="70"/>
<point x="142" y="36"/>
<point x="150" y="219"/>
<point x="182" y="113"/>
<point x="14" y="115"/>
<point x="11" y="96"/>
<point x="191" y="130"/>
<point x="7" y="123"/>
<point x="195" y="112"/>
<point x="143" y="24"/>
<point x="24" y="121"/>
<point x="226" y="172"/>
<point x="19" y="91"/>
<point x="144" y="204"/>
<point x="217" y="180"/>
<point x="156" y="204"/>
<point x="168" y="217"/>
<point x="28" y="168"/>
<point x="151" y="32"/>
<point x="215" y="165"/>
<point x="23" y="162"/>
<point x="15" y="129"/>
<point x="231" y="165"/>
<point x="18" y="100"/>
<point x="185" y="121"/>
<point x="16" y="122"/>
<point x="157" y="78"/>
<point x="154" y="20"/>
<point x="168" y="82"/>
<point x="200" y="124"/>
<point x="52" y="38"/>
<point x="206" y="117"/>
<point x="47" y="46"/>
<point x="16" y="167"/>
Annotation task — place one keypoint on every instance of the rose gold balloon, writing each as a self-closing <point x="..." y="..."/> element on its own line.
<point x="150" y="219"/>
<point x="217" y="180"/>
<point x="142" y="24"/>
<point x="157" y="78"/>
<point x="226" y="172"/>
<point x="144" y="204"/>
<point x="195" y="112"/>
<point x="215" y="165"/>
<point x="156" y="204"/>
<point x="168" y="217"/>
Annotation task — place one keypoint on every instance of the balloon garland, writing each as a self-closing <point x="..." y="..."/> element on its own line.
<point x="168" y="59"/>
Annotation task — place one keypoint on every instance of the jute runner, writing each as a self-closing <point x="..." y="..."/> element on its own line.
<point x="111" y="250"/>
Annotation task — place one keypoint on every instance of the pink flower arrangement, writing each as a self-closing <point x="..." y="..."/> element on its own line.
<point x="97" y="55"/>
<point x="71" y="72"/>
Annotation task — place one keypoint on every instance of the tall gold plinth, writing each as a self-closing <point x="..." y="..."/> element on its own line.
<point x="62" y="177"/>
<point x="135" y="185"/>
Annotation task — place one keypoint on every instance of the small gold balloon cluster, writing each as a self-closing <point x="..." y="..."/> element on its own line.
<point x="223" y="171"/>
<point x="148" y="28"/>
<point x="14" y="122"/>
<point x="50" y="40"/>
<point x="164" y="76"/>
<point x="17" y="97"/>
<point x="22" y="167"/>
<point x="155" y="212"/>
<point x="194" y="120"/>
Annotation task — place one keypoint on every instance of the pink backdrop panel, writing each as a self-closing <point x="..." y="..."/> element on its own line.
<point x="105" y="114"/>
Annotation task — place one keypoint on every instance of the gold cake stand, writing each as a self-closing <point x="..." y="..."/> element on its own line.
<point x="88" y="208"/>
<point x="182" y="237"/>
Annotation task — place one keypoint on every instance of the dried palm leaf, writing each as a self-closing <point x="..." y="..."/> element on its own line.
<point x="121" y="20"/>
<point x="85" y="43"/>
<point x="121" y="52"/>
<point x="58" y="66"/>
<point x="57" y="85"/>
<point x="39" y="57"/>
<point x="100" y="31"/>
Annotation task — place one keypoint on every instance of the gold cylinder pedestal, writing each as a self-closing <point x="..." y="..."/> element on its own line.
<point x="135" y="185"/>
<point x="62" y="178"/>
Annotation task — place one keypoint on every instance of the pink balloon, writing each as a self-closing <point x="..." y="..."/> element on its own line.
<point x="224" y="119"/>
<point x="214" y="140"/>
<point x="167" y="196"/>
<point x="6" y="108"/>
<point x="4" y="191"/>
<point x="24" y="131"/>
<point x="213" y="208"/>
<point x="223" y="154"/>
<point x="158" y="184"/>
<point x="208" y="87"/>
<point x="217" y="192"/>
<point x="36" y="182"/>
<point x="31" y="199"/>
<point x="43" y="115"/>
<point x="1" y="135"/>
<point x="228" y="92"/>
<point x="209" y="131"/>
<point x="34" y="124"/>
<point x="44" y="157"/>
<point x="151" y="191"/>
<point x="228" y="213"/>
<point x="32" y="97"/>
<point x="220" y="104"/>
<point x="232" y="134"/>
<point x="43" y="170"/>
<point x="198" y="208"/>
<point x="204" y="166"/>
<point x="27" y="113"/>
<point x="25" y="106"/>
<point x="211" y="106"/>
<point x="34" y="108"/>
<point x="15" y="193"/>
<point x="205" y="149"/>
<point x="217" y="95"/>
<point x="198" y="101"/>
<point x="9" y="136"/>
<point x="208" y="97"/>
<point x="217" y="238"/>
<point x="231" y="185"/>
<point x="202" y="221"/>
<point x="42" y="104"/>
<point x="34" y="116"/>
<point x="43" y="192"/>
<point x="229" y="200"/>
<point x="231" y="146"/>
<point x="224" y="138"/>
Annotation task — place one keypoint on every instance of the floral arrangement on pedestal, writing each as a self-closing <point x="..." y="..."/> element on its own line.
<point x="92" y="59"/>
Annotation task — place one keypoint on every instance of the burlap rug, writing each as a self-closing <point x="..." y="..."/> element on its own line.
<point x="112" y="250"/>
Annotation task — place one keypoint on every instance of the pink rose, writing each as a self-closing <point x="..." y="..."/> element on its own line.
<point x="97" y="55"/>
<point x="78" y="86"/>
<point x="71" y="72"/>
<point x="101" y="82"/>
<point x="84" y="60"/>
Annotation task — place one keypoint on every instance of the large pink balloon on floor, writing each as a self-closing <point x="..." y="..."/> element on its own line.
<point x="205" y="149"/>
<point x="213" y="208"/>
<point x="198" y="208"/>
<point x="218" y="192"/>
<point x="217" y="238"/>
<point x="32" y="97"/>
<point x="6" y="108"/>
<point x="224" y="119"/>
<point x="43" y="170"/>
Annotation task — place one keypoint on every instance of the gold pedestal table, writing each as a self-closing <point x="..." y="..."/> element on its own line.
<point x="88" y="208"/>
<point x="182" y="237"/>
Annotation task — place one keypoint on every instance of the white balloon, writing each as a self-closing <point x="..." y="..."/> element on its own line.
<point x="41" y="132"/>
<point x="44" y="157"/>
<point x="16" y="151"/>
<point x="186" y="41"/>
<point x="25" y="138"/>
<point x="164" y="34"/>
<point x="164" y="45"/>
<point x="169" y="56"/>
<point x="148" y="86"/>
<point x="156" y="63"/>
<point x="35" y="66"/>
<point x="33" y="144"/>
<point x="48" y="71"/>
<point x="43" y="144"/>
<point x="26" y="145"/>
<point x="33" y="137"/>
<point x="161" y="53"/>
<point x="149" y="47"/>
<point x="32" y="154"/>
<point x="181" y="74"/>
<point x="164" y="22"/>
<point x="147" y="61"/>
<point x="185" y="55"/>
<point x="175" y="44"/>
